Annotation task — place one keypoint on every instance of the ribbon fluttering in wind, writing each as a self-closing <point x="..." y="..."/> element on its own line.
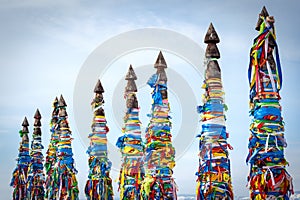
<point x="51" y="185"/>
<point x="99" y="183"/>
<point x="131" y="145"/>
<point x="268" y="178"/>
<point x="36" y="176"/>
<point x="159" y="151"/>
<point x="20" y="174"/>
<point x="214" y="176"/>
<point x="64" y="170"/>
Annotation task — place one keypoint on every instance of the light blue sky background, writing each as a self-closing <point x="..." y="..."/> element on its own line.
<point x="45" y="43"/>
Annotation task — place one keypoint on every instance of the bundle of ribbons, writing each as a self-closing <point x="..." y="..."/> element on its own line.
<point x="64" y="170"/>
<point x="268" y="178"/>
<point x="214" y="177"/>
<point x="131" y="145"/>
<point x="36" y="176"/>
<point x="51" y="184"/>
<point x="20" y="174"/>
<point x="159" y="151"/>
<point x="99" y="184"/>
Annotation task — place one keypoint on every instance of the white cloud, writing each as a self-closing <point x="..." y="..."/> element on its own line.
<point x="15" y="4"/>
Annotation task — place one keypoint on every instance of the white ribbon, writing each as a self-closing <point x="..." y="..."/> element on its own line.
<point x="267" y="143"/>
<point x="268" y="66"/>
<point x="217" y="120"/>
<point x="271" y="174"/>
<point x="97" y="108"/>
<point x="60" y="187"/>
<point x="276" y="143"/>
<point x="276" y="140"/>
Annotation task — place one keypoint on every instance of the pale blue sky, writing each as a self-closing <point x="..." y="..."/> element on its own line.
<point x="45" y="43"/>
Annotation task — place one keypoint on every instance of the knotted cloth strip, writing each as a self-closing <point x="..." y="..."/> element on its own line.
<point x="36" y="176"/>
<point x="64" y="172"/>
<point x="214" y="175"/>
<point x="159" y="151"/>
<point x="51" y="185"/>
<point x="268" y="178"/>
<point x="131" y="144"/>
<point x="99" y="184"/>
<point x="20" y="174"/>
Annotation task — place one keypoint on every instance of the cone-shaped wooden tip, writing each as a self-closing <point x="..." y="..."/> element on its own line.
<point x="130" y="74"/>
<point x="25" y="122"/>
<point x="213" y="70"/>
<point x="25" y="129"/>
<point x="37" y="114"/>
<point x="55" y="102"/>
<point x="212" y="51"/>
<point x="25" y="125"/>
<point x="264" y="13"/>
<point x="130" y="77"/>
<point x="211" y="35"/>
<point x="131" y="86"/>
<point x="37" y="122"/>
<point x="162" y="75"/>
<point x="25" y="136"/>
<point x="98" y="88"/>
<point x="160" y="61"/>
<point x="62" y="113"/>
<point x="100" y="112"/>
<point x="62" y="102"/>
<point x="37" y="131"/>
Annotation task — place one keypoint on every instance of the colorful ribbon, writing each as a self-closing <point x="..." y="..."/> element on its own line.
<point x="64" y="172"/>
<point x="131" y="147"/>
<point x="99" y="184"/>
<point x="36" y="176"/>
<point x="130" y="144"/>
<point x="214" y="175"/>
<point x="51" y="185"/>
<point x="268" y="178"/>
<point x="159" y="151"/>
<point x="20" y="174"/>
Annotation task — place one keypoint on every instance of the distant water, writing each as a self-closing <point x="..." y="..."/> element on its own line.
<point x="296" y="196"/>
